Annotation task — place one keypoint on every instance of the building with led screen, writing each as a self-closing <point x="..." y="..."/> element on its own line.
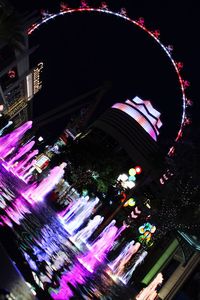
<point x="134" y="125"/>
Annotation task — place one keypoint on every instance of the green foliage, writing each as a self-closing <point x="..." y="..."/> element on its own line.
<point x="88" y="158"/>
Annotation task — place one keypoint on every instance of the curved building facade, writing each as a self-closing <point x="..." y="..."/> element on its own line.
<point x="135" y="126"/>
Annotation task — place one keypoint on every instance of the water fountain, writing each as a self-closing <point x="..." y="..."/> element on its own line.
<point x="29" y="171"/>
<point x="72" y="209"/>
<point x="46" y="185"/>
<point x="80" y="215"/>
<point x="100" y="248"/>
<point x="127" y="275"/>
<point x="6" y="126"/>
<point x="84" y="234"/>
<point x="15" y="211"/>
<point x="75" y="276"/>
<point x="20" y="168"/>
<point x="45" y="244"/>
<point x="119" y="263"/>
<point x="21" y="152"/>
<point x="26" y="170"/>
<point x="10" y="141"/>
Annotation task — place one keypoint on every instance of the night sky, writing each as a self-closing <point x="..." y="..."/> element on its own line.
<point x="81" y="51"/>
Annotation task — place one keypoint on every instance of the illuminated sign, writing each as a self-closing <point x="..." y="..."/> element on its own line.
<point x="41" y="163"/>
<point x="37" y="83"/>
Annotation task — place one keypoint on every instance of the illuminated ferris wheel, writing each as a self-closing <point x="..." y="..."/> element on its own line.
<point x="103" y="8"/>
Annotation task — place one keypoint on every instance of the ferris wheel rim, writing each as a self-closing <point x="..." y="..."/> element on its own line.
<point x="182" y="83"/>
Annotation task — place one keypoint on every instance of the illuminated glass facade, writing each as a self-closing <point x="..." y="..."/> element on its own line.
<point x="143" y="113"/>
<point x="135" y="129"/>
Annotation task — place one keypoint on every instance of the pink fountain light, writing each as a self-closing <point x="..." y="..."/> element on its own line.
<point x="22" y="151"/>
<point x="150" y="293"/>
<point x="15" y="212"/>
<point x="23" y="172"/>
<point x="100" y="248"/>
<point x="75" y="276"/>
<point x="47" y="185"/>
<point x="27" y="173"/>
<point x="9" y="142"/>
<point x="21" y="164"/>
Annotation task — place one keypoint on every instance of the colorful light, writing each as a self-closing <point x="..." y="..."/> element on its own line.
<point x="124" y="197"/>
<point x="123" y="177"/>
<point x="146" y="231"/>
<point x="128" y="184"/>
<point x="147" y="235"/>
<point x="132" y="172"/>
<point x="153" y="229"/>
<point x="138" y="170"/>
<point x="141" y="229"/>
<point x="132" y="178"/>
<point x="131" y="202"/>
<point x="85" y="193"/>
<point x="147" y="226"/>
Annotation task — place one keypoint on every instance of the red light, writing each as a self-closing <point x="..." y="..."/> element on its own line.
<point x="138" y="170"/>
<point x="124" y="197"/>
<point x="11" y="74"/>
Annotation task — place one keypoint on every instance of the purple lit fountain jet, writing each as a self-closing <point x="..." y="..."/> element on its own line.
<point x="46" y="185"/>
<point x="10" y="141"/>
<point x="21" y="166"/>
<point x="100" y="248"/>
<point x="22" y="151"/>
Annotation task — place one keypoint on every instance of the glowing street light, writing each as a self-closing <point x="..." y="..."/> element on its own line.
<point x="132" y="172"/>
<point x="122" y="177"/>
<point x="138" y="170"/>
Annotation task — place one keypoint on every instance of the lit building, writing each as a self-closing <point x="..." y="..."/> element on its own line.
<point x="175" y="259"/>
<point x="18" y="83"/>
<point x="133" y="127"/>
<point x="42" y="162"/>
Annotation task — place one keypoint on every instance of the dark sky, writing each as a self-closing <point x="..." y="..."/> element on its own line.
<point x="81" y="51"/>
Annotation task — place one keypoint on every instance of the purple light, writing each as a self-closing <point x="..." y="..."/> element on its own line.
<point x="10" y="141"/>
<point x="75" y="276"/>
<point x="100" y="247"/>
<point x="22" y="151"/>
<point x="47" y="184"/>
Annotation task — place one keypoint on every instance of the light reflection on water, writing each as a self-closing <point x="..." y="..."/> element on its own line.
<point x="51" y="256"/>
